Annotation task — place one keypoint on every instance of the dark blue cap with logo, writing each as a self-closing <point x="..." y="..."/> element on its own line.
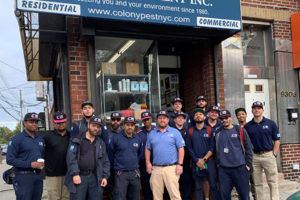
<point x="59" y="117"/>
<point x="162" y="113"/>
<point x="177" y="99"/>
<point x="32" y="116"/>
<point x="200" y="98"/>
<point x="214" y="108"/>
<point x="257" y="104"/>
<point x="180" y="114"/>
<point x="224" y="113"/>
<point x="87" y="102"/>
<point x="129" y="119"/>
<point x="115" y="115"/>
<point x="95" y="120"/>
<point x="145" y="115"/>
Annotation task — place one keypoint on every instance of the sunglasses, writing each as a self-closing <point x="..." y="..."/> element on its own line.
<point x="116" y="119"/>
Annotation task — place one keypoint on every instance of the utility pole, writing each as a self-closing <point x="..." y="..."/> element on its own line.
<point x="21" y="113"/>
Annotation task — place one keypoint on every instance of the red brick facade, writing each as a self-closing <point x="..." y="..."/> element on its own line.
<point x="290" y="154"/>
<point x="77" y="60"/>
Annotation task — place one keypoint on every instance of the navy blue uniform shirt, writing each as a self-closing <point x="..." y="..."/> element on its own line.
<point x="199" y="143"/>
<point x="215" y="127"/>
<point x="23" y="149"/>
<point x="231" y="152"/>
<point x="125" y="151"/>
<point x="143" y="133"/>
<point x="262" y="134"/>
<point x="172" y="116"/>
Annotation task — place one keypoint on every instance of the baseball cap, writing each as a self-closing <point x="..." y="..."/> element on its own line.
<point x="129" y="119"/>
<point x="180" y="114"/>
<point x="32" y="116"/>
<point x="162" y="113"/>
<point x="145" y="115"/>
<point x="177" y="99"/>
<point x="198" y="110"/>
<point x="200" y="98"/>
<point x="59" y="117"/>
<point x="95" y="120"/>
<point x="239" y="109"/>
<point x="257" y="104"/>
<point x="214" y="108"/>
<point x="87" y="102"/>
<point x="115" y="115"/>
<point x="224" y="113"/>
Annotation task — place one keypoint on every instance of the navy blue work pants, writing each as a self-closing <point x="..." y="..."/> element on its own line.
<point x="145" y="180"/>
<point x="212" y="179"/>
<point x="89" y="188"/>
<point x="127" y="185"/>
<point x="28" y="186"/>
<point x="237" y="177"/>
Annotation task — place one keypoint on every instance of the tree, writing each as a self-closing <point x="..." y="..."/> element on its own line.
<point x="5" y="134"/>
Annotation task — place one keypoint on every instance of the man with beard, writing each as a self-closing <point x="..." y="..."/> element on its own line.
<point x="200" y="103"/>
<point x="82" y="125"/>
<point x="241" y="116"/>
<point x="88" y="164"/>
<point x="57" y="143"/>
<point x="143" y="133"/>
<point x="200" y="145"/>
<point x="167" y="146"/>
<point x="125" y="148"/>
<point x="185" y="181"/>
<point x="177" y="107"/>
<point x="234" y="154"/>
<point x="114" y="128"/>
<point x="25" y="152"/>
<point x="265" y="138"/>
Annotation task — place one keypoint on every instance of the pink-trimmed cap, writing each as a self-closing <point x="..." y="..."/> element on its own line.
<point x="145" y="115"/>
<point x="59" y="117"/>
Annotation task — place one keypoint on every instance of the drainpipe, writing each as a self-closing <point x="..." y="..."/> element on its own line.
<point x="216" y="77"/>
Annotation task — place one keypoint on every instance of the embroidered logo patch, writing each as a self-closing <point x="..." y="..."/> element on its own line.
<point x="265" y="127"/>
<point x="171" y="135"/>
<point x="135" y="144"/>
<point x="41" y="143"/>
<point x="72" y="148"/>
<point x="278" y="134"/>
<point x="234" y="135"/>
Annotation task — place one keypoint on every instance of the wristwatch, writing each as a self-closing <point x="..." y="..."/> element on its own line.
<point x="275" y="155"/>
<point x="205" y="159"/>
<point x="180" y="164"/>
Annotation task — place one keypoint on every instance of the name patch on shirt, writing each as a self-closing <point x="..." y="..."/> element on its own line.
<point x="234" y="135"/>
<point x="265" y="127"/>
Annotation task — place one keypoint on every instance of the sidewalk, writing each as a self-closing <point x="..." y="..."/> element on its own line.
<point x="286" y="188"/>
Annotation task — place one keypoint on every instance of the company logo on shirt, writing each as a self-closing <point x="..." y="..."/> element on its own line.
<point x="41" y="143"/>
<point x="135" y="144"/>
<point x="278" y="134"/>
<point x="234" y="135"/>
<point x="72" y="148"/>
<point x="171" y="135"/>
<point x="205" y="135"/>
<point x="265" y="127"/>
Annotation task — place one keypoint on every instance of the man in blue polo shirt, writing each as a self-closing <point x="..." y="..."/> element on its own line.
<point x="143" y="133"/>
<point x="201" y="147"/>
<point x="265" y="138"/>
<point x="26" y="152"/>
<point x="125" y="148"/>
<point x="234" y="154"/>
<point x="167" y="146"/>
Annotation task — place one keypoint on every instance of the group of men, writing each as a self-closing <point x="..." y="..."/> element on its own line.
<point x="201" y="152"/>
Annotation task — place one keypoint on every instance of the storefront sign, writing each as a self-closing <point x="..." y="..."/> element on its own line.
<point x="221" y="14"/>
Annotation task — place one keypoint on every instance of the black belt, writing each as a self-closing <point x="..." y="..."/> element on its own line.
<point x="165" y="165"/>
<point x="262" y="152"/>
<point x="85" y="173"/>
<point x="28" y="172"/>
<point x="132" y="170"/>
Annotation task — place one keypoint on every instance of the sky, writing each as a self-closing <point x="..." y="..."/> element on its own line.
<point x="12" y="71"/>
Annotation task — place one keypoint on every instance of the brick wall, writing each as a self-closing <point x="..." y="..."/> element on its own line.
<point x="199" y="75"/>
<point x="290" y="154"/>
<point x="77" y="60"/>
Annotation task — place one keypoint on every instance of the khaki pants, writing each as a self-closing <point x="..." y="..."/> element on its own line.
<point x="266" y="161"/>
<point x="56" y="188"/>
<point x="165" y="176"/>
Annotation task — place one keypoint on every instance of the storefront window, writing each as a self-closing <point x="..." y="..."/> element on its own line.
<point x="253" y="46"/>
<point x="127" y="76"/>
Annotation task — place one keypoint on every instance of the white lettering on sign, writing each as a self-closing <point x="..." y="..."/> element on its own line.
<point x="218" y="23"/>
<point x="50" y="7"/>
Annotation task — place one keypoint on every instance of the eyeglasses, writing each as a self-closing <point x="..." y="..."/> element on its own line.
<point x="221" y="119"/>
<point x="116" y="119"/>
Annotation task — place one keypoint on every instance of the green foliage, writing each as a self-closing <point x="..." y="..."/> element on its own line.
<point x="6" y="134"/>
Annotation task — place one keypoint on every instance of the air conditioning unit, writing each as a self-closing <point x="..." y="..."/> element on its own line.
<point x="40" y="92"/>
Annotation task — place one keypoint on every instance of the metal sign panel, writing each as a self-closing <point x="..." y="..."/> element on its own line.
<point x="220" y="14"/>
